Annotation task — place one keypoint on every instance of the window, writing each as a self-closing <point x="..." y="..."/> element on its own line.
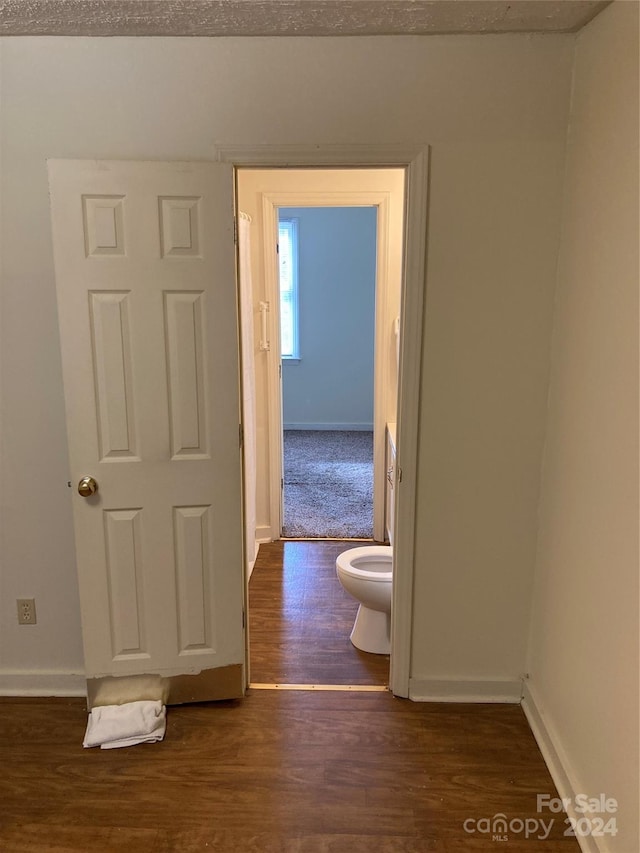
<point x="288" y="262"/>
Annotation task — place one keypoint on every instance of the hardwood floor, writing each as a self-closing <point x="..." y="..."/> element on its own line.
<point x="277" y="772"/>
<point x="282" y="771"/>
<point x="300" y="619"/>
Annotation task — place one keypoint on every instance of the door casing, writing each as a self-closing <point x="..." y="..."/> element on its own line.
<point x="415" y="159"/>
<point x="329" y="198"/>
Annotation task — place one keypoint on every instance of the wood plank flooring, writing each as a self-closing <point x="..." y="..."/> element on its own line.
<point x="300" y="619"/>
<point x="277" y="772"/>
<point x="281" y="771"/>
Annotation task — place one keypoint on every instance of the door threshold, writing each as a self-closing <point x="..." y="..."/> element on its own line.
<point x="349" y="688"/>
<point x="325" y="539"/>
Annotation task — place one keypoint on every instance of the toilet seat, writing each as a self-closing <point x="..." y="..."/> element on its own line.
<point x="378" y="557"/>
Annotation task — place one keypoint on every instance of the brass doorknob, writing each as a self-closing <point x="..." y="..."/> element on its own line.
<point x="87" y="487"/>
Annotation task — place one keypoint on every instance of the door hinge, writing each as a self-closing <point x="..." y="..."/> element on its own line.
<point x="280" y="370"/>
<point x="398" y="475"/>
<point x="235" y="230"/>
<point x="243" y="619"/>
<point x="277" y="248"/>
<point x="264" y="327"/>
<point x="241" y="435"/>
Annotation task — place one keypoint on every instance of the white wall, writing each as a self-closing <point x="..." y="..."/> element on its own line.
<point x="494" y="110"/>
<point x="584" y="643"/>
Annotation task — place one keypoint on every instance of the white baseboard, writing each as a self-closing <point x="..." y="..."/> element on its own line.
<point x="251" y="558"/>
<point x="452" y="690"/>
<point x="42" y="683"/>
<point x="264" y="534"/>
<point x="556" y="761"/>
<point x="340" y="427"/>
<point x="250" y="565"/>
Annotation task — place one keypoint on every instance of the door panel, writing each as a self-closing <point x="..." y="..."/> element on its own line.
<point x="145" y="273"/>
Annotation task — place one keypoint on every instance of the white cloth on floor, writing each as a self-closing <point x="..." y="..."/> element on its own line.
<point x="112" y="726"/>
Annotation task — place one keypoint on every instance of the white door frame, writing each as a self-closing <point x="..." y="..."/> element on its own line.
<point x="415" y="158"/>
<point x="271" y="201"/>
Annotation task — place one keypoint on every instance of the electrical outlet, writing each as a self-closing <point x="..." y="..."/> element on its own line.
<point x="26" y="611"/>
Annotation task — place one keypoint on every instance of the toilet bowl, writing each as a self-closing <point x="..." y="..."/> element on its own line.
<point x="365" y="573"/>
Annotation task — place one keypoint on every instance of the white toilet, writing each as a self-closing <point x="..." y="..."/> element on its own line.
<point x="366" y="574"/>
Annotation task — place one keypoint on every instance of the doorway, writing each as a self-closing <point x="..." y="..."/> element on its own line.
<point x="414" y="159"/>
<point x="327" y="276"/>
<point x="269" y="197"/>
<point x="261" y="193"/>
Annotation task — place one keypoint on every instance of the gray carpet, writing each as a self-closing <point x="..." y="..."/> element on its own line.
<point x="328" y="484"/>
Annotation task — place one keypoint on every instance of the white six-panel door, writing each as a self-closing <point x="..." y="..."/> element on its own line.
<point x="145" y="272"/>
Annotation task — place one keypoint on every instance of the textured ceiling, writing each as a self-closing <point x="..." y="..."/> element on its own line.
<point x="291" y="17"/>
